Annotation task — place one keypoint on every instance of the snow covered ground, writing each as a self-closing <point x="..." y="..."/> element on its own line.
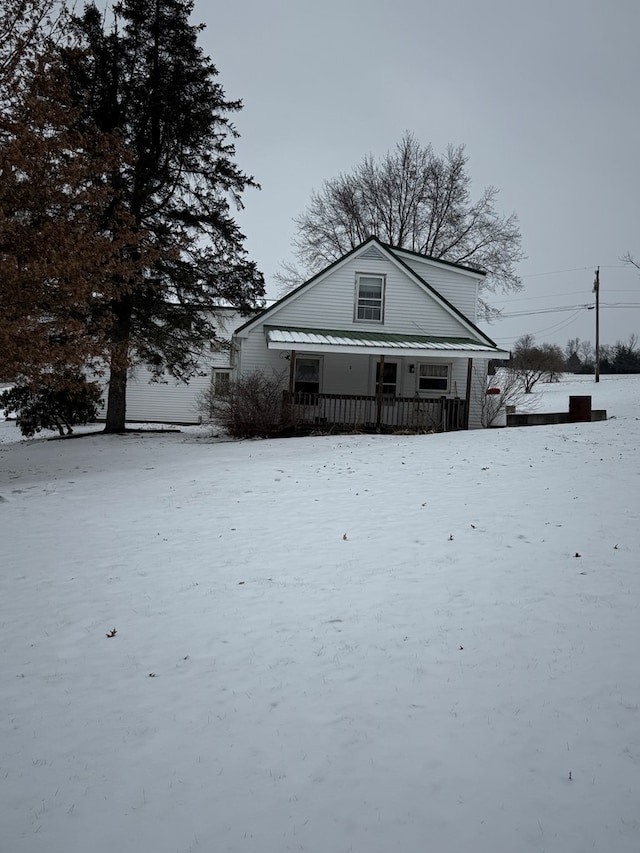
<point x="347" y="643"/>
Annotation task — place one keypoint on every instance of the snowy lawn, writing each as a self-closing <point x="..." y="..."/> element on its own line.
<point x="360" y="643"/>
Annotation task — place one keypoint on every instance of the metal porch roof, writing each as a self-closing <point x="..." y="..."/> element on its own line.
<point x="375" y="343"/>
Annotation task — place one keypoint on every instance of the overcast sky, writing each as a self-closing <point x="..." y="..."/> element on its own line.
<point x="543" y="95"/>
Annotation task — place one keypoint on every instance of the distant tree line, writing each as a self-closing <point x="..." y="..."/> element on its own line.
<point x="621" y="357"/>
<point x="532" y="362"/>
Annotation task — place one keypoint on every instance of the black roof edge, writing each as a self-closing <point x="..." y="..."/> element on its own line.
<point x="465" y="267"/>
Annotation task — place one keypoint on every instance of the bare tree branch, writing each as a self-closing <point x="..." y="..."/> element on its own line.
<point x="414" y="199"/>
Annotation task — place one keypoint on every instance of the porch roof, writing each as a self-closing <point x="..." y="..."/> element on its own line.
<point x="377" y="343"/>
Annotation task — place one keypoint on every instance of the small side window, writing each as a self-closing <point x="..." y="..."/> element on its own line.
<point x="221" y="382"/>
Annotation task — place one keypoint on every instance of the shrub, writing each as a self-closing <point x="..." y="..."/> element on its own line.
<point x="61" y="405"/>
<point x="252" y="407"/>
<point x="510" y="388"/>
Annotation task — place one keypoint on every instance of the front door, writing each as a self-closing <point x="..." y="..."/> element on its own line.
<point x="387" y="380"/>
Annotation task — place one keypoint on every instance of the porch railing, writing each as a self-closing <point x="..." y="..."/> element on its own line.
<point x="349" y="411"/>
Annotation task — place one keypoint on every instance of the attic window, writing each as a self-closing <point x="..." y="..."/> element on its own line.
<point x="369" y="298"/>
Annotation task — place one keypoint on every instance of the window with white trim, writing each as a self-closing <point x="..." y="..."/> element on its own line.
<point x="369" y="298"/>
<point x="433" y="377"/>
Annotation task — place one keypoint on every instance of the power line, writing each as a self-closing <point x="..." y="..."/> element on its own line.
<point x="557" y="310"/>
<point x="511" y="299"/>
<point x="575" y="269"/>
<point x="555" y="272"/>
<point x="556" y="327"/>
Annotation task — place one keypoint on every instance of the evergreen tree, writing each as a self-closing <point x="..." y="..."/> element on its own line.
<point x="146" y="79"/>
<point x="52" y="247"/>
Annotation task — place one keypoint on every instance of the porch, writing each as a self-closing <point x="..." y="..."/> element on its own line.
<point x="366" y="380"/>
<point x="375" y="412"/>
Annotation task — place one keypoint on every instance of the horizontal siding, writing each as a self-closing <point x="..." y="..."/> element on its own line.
<point x="329" y="304"/>
<point x="167" y="401"/>
<point x="457" y="288"/>
<point x="254" y="355"/>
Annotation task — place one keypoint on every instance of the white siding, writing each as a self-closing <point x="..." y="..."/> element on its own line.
<point x="458" y="288"/>
<point x="329" y="303"/>
<point x="167" y="401"/>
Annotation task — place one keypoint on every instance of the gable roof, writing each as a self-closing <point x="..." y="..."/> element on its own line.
<point x="391" y="254"/>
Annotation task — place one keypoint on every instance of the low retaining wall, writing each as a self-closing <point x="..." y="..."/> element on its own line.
<point x="542" y="418"/>
<point x="580" y="411"/>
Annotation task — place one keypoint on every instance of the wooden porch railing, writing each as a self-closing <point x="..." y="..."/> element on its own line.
<point x="349" y="411"/>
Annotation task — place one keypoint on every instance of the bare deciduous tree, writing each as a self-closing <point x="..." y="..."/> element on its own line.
<point x="415" y="199"/>
<point x="532" y="362"/>
<point x="586" y="351"/>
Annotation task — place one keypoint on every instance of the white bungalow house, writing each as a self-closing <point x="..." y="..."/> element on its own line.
<point x="382" y="338"/>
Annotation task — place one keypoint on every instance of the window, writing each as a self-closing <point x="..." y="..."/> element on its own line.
<point x="433" y="377"/>
<point x="369" y="297"/>
<point x="307" y="376"/>
<point x="221" y="382"/>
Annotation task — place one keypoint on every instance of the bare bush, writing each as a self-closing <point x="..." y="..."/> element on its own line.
<point x="510" y="392"/>
<point x="252" y="407"/>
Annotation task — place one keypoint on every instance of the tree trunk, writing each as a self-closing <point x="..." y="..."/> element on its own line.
<point x="117" y="396"/>
<point x="118" y="368"/>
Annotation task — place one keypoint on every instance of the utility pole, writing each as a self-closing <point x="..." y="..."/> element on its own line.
<point x="596" y="290"/>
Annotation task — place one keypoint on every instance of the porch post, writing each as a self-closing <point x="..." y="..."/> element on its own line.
<point x="467" y="398"/>
<point x="292" y="372"/>
<point x="287" y="396"/>
<point x="380" y="379"/>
